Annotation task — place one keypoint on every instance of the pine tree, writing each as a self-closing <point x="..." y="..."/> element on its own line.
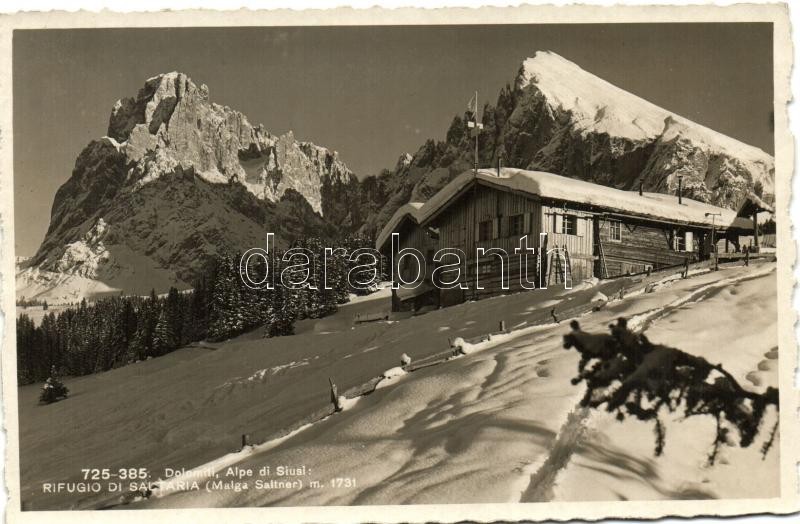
<point x="163" y="336"/>
<point x="173" y="317"/>
<point x="363" y="275"/>
<point x="147" y="318"/>
<point x="127" y="321"/>
<point x="218" y="311"/>
<point x="50" y="343"/>
<point x="196" y="321"/>
<point x="281" y="313"/>
<point x="226" y="316"/>
<point x="25" y="350"/>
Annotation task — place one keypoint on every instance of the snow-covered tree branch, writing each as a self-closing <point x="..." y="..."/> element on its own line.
<point x="631" y="376"/>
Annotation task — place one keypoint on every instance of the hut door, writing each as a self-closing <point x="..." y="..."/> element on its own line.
<point x="600" y="260"/>
<point x="689" y="241"/>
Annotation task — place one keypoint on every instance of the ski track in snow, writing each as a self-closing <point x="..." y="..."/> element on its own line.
<point x="542" y="480"/>
<point x="644" y="320"/>
<point x="258" y="376"/>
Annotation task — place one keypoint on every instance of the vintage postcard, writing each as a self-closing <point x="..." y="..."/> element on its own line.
<point x="398" y="265"/>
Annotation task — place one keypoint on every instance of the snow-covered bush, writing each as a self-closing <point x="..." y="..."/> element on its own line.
<point x="631" y="376"/>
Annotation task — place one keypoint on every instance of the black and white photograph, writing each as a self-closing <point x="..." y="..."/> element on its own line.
<point x="521" y="263"/>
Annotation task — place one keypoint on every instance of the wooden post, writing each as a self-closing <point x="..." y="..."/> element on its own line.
<point x="245" y="440"/>
<point x="335" y="396"/>
<point x="502" y="326"/>
<point x="755" y="231"/>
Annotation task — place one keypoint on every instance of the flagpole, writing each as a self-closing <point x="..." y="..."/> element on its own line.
<point x="476" y="128"/>
<point x="476" y="133"/>
<point x="475" y="228"/>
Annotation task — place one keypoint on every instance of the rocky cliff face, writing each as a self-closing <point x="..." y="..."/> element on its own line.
<point x="559" y="118"/>
<point x="180" y="178"/>
<point x="174" y="116"/>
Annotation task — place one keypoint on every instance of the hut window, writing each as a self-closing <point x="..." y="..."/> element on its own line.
<point x="487" y="268"/>
<point x="485" y="230"/>
<point x="516" y="224"/>
<point x="680" y="242"/>
<point x="615" y="227"/>
<point x="569" y="225"/>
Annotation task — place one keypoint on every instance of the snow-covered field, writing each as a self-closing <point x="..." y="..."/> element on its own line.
<point x="499" y="424"/>
<point x="37" y="313"/>
<point x="58" y="288"/>
<point x="192" y="406"/>
<point x="92" y="275"/>
<point x="502" y="424"/>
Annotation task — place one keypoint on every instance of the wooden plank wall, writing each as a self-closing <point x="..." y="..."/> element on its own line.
<point x="580" y="245"/>
<point x="458" y="225"/>
<point x="642" y="245"/>
<point x="414" y="236"/>
<point x="459" y="228"/>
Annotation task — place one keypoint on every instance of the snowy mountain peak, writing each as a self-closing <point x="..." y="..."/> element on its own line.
<point x="599" y="106"/>
<point x="152" y="106"/>
<point x="595" y="104"/>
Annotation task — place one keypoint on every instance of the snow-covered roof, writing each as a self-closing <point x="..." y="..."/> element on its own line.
<point x="757" y="203"/>
<point x="410" y="211"/>
<point x="656" y="206"/>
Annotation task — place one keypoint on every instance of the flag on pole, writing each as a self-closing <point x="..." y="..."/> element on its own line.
<point x="472" y="105"/>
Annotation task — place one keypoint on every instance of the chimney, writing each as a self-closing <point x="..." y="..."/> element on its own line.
<point x="680" y="189"/>
<point x="641" y="183"/>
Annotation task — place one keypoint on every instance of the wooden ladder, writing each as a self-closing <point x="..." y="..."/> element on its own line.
<point x="568" y="261"/>
<point x="561" y="270"/>
<point x="603" y="259"/>
<point x="603" y="266"/>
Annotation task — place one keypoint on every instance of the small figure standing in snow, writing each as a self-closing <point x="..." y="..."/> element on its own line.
<point x="405" y="360"/>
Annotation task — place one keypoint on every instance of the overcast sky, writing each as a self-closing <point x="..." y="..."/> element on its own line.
<point x="369" y="93"/>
